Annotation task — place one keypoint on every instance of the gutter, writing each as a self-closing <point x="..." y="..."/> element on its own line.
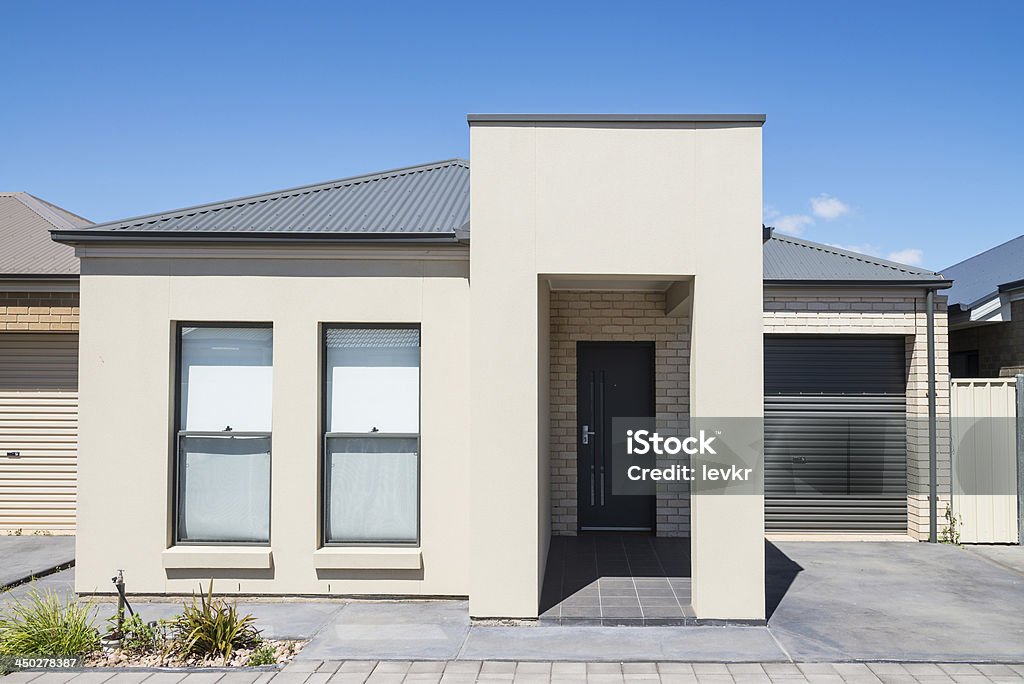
<point x="937" y="284"/>
<point x="79" y="237"/>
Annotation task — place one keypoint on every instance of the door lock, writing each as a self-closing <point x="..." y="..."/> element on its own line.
<point x="586" y="433"/>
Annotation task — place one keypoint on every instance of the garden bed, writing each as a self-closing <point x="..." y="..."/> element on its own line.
<point x="283" y="652"/>
<point x="209" y="632"/>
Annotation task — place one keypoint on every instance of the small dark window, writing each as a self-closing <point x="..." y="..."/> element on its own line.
<point x="964" y="364"/>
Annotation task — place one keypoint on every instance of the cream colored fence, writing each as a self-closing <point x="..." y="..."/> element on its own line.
<point x="984" y="447"/>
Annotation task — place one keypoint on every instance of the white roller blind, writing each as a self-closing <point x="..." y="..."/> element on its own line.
<point x="372" y="490"/>
<point x="224" y="489"/>
<point x="226" y="379"/>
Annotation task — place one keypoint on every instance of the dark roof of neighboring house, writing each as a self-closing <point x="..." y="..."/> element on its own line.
<point x="984" y="275"/>
<point x="25" y="245"/>
<point x="792" y="260"/>
<point x="428" y="201"/>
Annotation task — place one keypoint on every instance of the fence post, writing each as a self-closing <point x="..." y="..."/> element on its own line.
<point x="1020" y="459"/>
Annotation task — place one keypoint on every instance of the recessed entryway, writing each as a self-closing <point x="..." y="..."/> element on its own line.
<point x="617" y="579"/>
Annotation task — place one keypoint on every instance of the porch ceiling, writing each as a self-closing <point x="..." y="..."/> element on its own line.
<point x="614" y="283"/>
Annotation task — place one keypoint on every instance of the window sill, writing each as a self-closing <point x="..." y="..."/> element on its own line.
<point x="224" y="557"/>
<point x="367" y="558"/>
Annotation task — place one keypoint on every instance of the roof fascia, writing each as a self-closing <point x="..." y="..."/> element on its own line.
<point x="885" y="284"/>
<point x="39" y="283"/>
<point x="474" y="119"/>
<point x="80" y="237"/>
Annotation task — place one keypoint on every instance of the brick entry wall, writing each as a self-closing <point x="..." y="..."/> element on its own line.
<point x="793" y="313"/>
<point x="610" y="317"/>
<point x="39" y="311"/>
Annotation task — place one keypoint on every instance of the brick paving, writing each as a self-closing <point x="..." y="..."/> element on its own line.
<point x="424" y="672"/>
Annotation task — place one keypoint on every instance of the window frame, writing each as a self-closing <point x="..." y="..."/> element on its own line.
<point x="325" y="436"/>
<point x="178" y="433"/>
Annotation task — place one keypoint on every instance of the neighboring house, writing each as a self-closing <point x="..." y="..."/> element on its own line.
<point x="404" y="383"/>
<point x="38" y="366"/>
<point x="986" y="313"/>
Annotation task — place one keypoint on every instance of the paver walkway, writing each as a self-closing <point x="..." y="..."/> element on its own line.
<point x="424" y="672"/>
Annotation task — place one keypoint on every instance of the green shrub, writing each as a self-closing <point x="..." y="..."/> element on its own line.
<point x="209" y="626"/>
<point x="951" y="532"/>
<point x="265" y="654"/>
<point x="43" y="624"/>
<point x="137" y="637"/>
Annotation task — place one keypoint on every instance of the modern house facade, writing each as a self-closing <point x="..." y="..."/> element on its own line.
<point x="405" y="383"/>
<point x="986" y="313"/>
<point x="38" y="367"/>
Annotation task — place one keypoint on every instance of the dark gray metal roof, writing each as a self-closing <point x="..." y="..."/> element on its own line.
<point x="616" y="118"/>
<point x="792" y="260"/>
<point x="26" y="249"/>
<point x="982" y="276"/>
<point x="429" y="200"/>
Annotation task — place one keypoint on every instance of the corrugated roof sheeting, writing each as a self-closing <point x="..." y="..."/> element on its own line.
<point x="787" y="258"/>
<point x="432" y="198"/>
<point x="25" y="244"/>
<point x="979" y="277"/>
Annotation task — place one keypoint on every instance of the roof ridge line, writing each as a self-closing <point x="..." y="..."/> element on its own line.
<point x="42" y="210"/>
<point x="857" y="256"/>
<point x="57" y="208"/>
<point x="286" y="192"/>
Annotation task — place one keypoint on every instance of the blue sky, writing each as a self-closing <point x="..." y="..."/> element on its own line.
<point x="892" y="127"/>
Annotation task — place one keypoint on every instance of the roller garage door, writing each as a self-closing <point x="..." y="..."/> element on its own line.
<point x="38" y="430"/>
<point x="835" y="433"/>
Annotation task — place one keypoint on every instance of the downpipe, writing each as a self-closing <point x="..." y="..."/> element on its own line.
<point x="933" y="486"/>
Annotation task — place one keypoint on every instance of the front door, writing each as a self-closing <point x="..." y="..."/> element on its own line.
<point x="613" y="380"/>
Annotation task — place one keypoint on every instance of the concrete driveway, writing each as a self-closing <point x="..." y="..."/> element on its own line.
<point x="30" y="556"/>
<point x="895" y="601"/>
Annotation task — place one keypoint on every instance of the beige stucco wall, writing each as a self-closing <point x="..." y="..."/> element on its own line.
<point x="609" y="199"/>
<point x="885" y="312"/>
<point x="127" y="393"/>
<point x="615" y="316"/>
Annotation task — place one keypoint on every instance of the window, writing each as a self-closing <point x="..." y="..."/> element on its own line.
<point x="371" y="438"/>
<point x="223" y="434"/>
<point x="964" y="364"/>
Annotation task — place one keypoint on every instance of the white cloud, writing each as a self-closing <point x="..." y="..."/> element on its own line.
<point x="910" y="256"/>
<point x="828" y="207"/>
<point x="793" y="224"/>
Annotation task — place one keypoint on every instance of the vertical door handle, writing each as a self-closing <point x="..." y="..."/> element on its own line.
<point x="586" y="433"/>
